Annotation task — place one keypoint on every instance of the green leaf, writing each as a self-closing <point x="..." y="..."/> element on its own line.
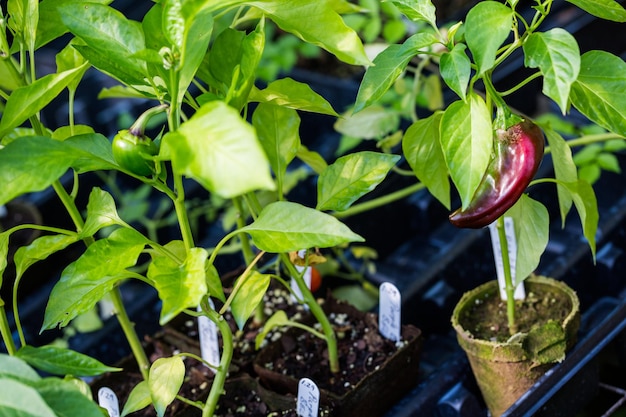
<point x="604" y="9"/>
<point x="388" y="66"/>
<point x="373" y="122"/>
<point x="138" y="399"/>
<point x="214" y="283"/>
<point x="418" y="10"/>
<point x="40" y="249"/>
<point x="422" y="150"/>
<point x="85" y="281"/>
<point x="278" y="319"/>
<point x="286" y="227"/>
<point x="585" y="201"/>
<point x="557" y="55"/>
<point x="50" y="26"/>
<point x="180" y="284"/>
<point x="234" y="57"/>
<point x="68" y="59"/>
<point x="111" y="39"/>
<point x="455" y="69"/>
<point x="317" y="23"/>
<point x="248" y="296"/>
<point x="31" y="164"/>
<point x="66" y="399"/>
<point x="92" y="152"/>
<point x="61" y="361"/>
<point x="12" y="367"/>
<point x="564" y="169"/>
<point x="598" y="91"/>
<point x="278" y="131"/>
<point x="217" y="148"/>
<point x="466" y="137"/>
<point x="26" y="101"/>
<point x="351" y="177"/>
<point x="531" y="222"/>
<point x="4" y="252"/>
<point x="313" y="159"/>
<point x="20" y="400"/>
<point x="487" y="25"/>
<point x="101" y="212"/>
<point x="165" y="379"/>
<point x="289" y="93"/>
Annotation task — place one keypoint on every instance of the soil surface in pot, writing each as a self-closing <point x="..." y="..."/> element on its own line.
<point x="360" y="346"/>
<point x="487" y="319"/>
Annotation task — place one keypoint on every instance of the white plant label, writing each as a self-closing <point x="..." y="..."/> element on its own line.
<point x="509" y="231"/>
<point x="108" y="400"/>
<point x="209" y="342"/>
<point x="389" y="311"/>
<point x="308" y="398"/>
<point x="296" y="295"/>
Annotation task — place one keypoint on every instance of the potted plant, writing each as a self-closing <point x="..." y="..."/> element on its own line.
<point x="194" y="63"/>
<point x="492" y="155"/>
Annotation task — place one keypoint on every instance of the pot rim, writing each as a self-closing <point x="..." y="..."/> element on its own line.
<point x="512" y="349"/>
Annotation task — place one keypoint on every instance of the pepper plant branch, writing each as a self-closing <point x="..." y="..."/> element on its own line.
<point x="116" y="296"/>
<point x="509" y="288"/>
<point x="318" y="313"/>
<point x="227" y="353"/>
<point x="379" y="201"/>
<point x="589" y="139"/>
<point x="5" y="331"/>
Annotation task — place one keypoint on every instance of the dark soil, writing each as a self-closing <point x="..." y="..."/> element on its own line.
<point x="361" y="350"/>
<point x="487" y="320"/>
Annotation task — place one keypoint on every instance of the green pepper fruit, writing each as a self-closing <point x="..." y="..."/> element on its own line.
<point x="132" y="152"/>
<point x="517" y="156"/>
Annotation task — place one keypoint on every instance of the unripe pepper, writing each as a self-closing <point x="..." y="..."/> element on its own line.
<point x="517" y="155"/>
<point x="132" y="152"/>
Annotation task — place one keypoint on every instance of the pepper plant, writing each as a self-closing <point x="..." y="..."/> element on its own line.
<point x="488" y="151"/>
<point x="200" y="70"/>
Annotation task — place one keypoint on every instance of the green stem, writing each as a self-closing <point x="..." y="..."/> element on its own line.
<point x="116" y="296"/>
<point x="181" y="213"/>
<point x="227" y="354"/>
<point x="129" y="331"/>
<point x="5" y="331"/>
<point x="589" y="139"/>
<point x="509" y="288"/>
<point x="318" y="313"/>
<point x="380" y="201"/>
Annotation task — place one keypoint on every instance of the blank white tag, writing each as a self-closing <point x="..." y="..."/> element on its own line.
<point x="509" y="231"/>
<point x="209" y="343"/>
<point x="308" y="398"/>
<point x="108" y="400"/>
<point x="389" y="311"/>
<point x="296" y="294"/>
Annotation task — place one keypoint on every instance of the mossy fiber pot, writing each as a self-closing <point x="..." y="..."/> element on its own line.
<point x="505" y="370"/>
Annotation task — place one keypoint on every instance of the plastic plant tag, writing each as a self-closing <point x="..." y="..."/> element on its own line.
<point x="509" y="231"/>
<point x="389" y="311"/>
<point x="108" y="400"/>
<point x="308" y="398"/>
<point x="296" y="294"/>
<point x="209" y="343"/>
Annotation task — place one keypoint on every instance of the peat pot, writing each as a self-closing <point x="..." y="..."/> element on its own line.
<point x="505" y="368"/>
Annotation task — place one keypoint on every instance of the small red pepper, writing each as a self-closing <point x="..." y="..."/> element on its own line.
<point x="517" y="155"/>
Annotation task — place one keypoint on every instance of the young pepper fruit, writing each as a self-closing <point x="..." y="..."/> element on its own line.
<point x="132" y="152"/>
<point x="518" y="153"/>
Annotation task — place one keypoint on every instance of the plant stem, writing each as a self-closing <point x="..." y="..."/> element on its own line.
<point x="508" y="278"/>
<point x="589" y="139"/>
<point x="318" y="313"/>
<point x="380" y="201"/>
<point x="227" y="354"/>
<point x="5" y="331"/>
<point x="128" y="328"/>
<point x="116" y="296"/>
